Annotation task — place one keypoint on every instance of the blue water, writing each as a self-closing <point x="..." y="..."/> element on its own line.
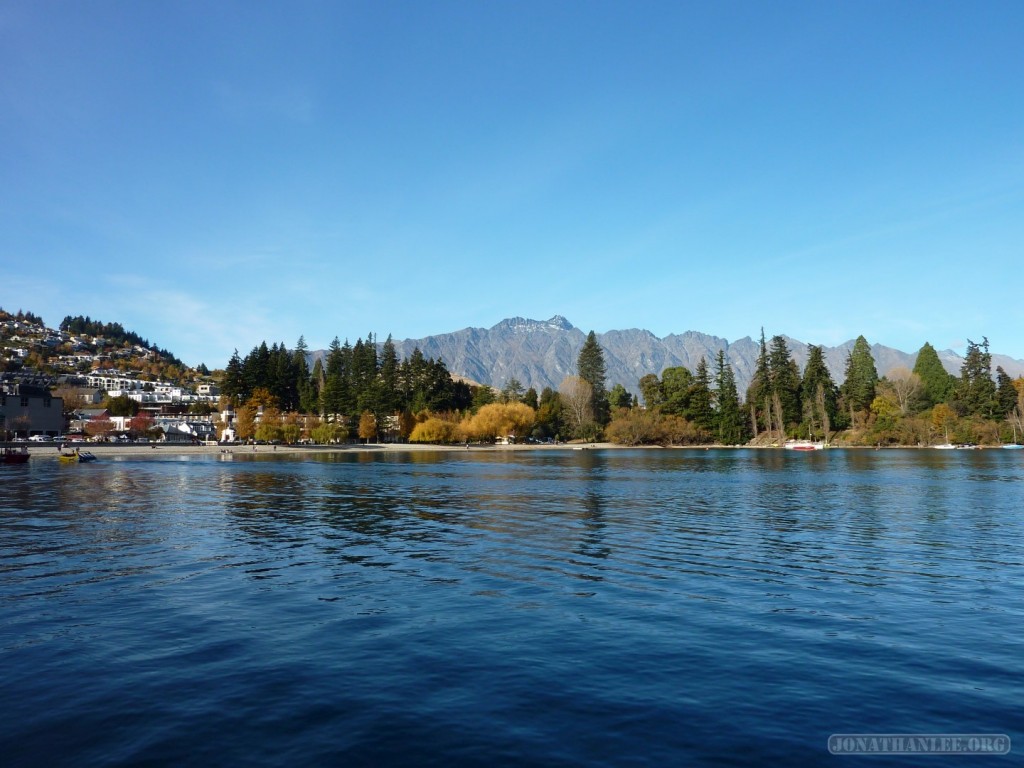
<point x="546" y="608"/>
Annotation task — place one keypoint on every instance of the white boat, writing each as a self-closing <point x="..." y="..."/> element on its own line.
<point x="943" y="447"/>
<point x="803" y="445"/>
<point x="1012" y="447"/>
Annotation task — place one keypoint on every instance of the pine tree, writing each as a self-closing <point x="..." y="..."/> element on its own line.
<point x="818" y="392"/>
<point x="700" y="410"/>
<point x="861" y="378"/>
<point x="785" y="381"/>
<point x="591" y="367"/>
<point x="1006" y="393"/>
<point x="759" y="391"/>
<point x="729" y="417"/>
<point x="233" y="385"/>
<point x="390" y="397"/>
<point x="976" y="391"/>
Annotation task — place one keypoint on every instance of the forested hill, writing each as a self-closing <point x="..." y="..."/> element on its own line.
<point x="540" y="353"/>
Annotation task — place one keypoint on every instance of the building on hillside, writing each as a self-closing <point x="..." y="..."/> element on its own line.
<point x="27" y="410"/>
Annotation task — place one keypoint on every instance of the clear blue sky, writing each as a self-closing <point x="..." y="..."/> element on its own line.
<point x="213" y="174"/>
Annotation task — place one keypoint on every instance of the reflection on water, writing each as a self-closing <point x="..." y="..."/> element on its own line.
<point x="571" y="607"/>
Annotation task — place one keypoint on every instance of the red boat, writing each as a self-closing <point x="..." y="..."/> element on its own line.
<point x="11" y="456"/>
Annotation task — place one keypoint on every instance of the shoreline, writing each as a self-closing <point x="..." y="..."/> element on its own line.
<point x="37" y="450"/>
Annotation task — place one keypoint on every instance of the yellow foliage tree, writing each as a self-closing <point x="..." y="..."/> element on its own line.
<point x="245" y="422"/>
<point x="270" y="425"/>
<point x="944" y="419"/>
<point x="291" y="428"/>
<point x="500" y="419"/>
<point x="367" y="426"/>
<point x="436" y="430"/>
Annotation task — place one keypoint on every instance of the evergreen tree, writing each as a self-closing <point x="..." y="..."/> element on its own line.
<point x="233" y="386"/>
<point x="976" y="392"/>
<point x="759" y="392"/>
<point x="675" y="387"/>
<point x="512" y="391"/>
<point x="619" y="398"/>
<point x="530" y="398"/>
<point x="550" y="420"/>
<point x="785" y="381"/>
<point x="861" y="378"/>
<point x="390" y="396"/>
<point x="483" y="395"/>
<point x="303" y="384"/>
<point x="591" y="367"/>
<point x="936" y="383"/>
<point x="1006" y="393"/>
<point x="700" y="410"/>
<point x="818" y="393"/>
<point x="729" y="418"/>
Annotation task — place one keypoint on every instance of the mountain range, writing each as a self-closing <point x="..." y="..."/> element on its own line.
<point x="540" y="353"/>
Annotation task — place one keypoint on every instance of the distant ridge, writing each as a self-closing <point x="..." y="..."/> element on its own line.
<point x="540" y="353"/>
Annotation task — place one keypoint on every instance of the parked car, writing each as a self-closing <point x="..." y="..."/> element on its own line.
<point x="40" y="438"/>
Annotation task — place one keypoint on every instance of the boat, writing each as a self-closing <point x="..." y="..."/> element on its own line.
<point x="943" y="447"/>
<point x="11" y="456"/>
<point x="77" y="457"/>
<point x="803" y="445"/>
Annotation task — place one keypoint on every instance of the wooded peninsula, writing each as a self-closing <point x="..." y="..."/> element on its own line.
<point x="365" y="391"/>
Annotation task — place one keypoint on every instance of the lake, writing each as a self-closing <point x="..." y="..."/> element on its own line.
<point x="557" y="608"/>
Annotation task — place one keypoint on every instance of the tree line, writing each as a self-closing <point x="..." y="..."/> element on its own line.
<point x="348" y="388"/>
<point x="906" y="407"/>
<point x="366" y="390"/>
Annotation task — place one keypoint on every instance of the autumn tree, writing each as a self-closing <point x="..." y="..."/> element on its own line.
<point x="944" y="420"/>
<point x="245" y="421"/>
<point x="499" y="420"/>
<point x="367" y="426"/>
<point x="269" y="426"/>
<point x="576" y="396"/>
<point x="904" y="386"/>
<point x="291" y="428"/>
<point x="141" y="424"/>
<point x="636" y="427"/>
<point x="435" y="429"/>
